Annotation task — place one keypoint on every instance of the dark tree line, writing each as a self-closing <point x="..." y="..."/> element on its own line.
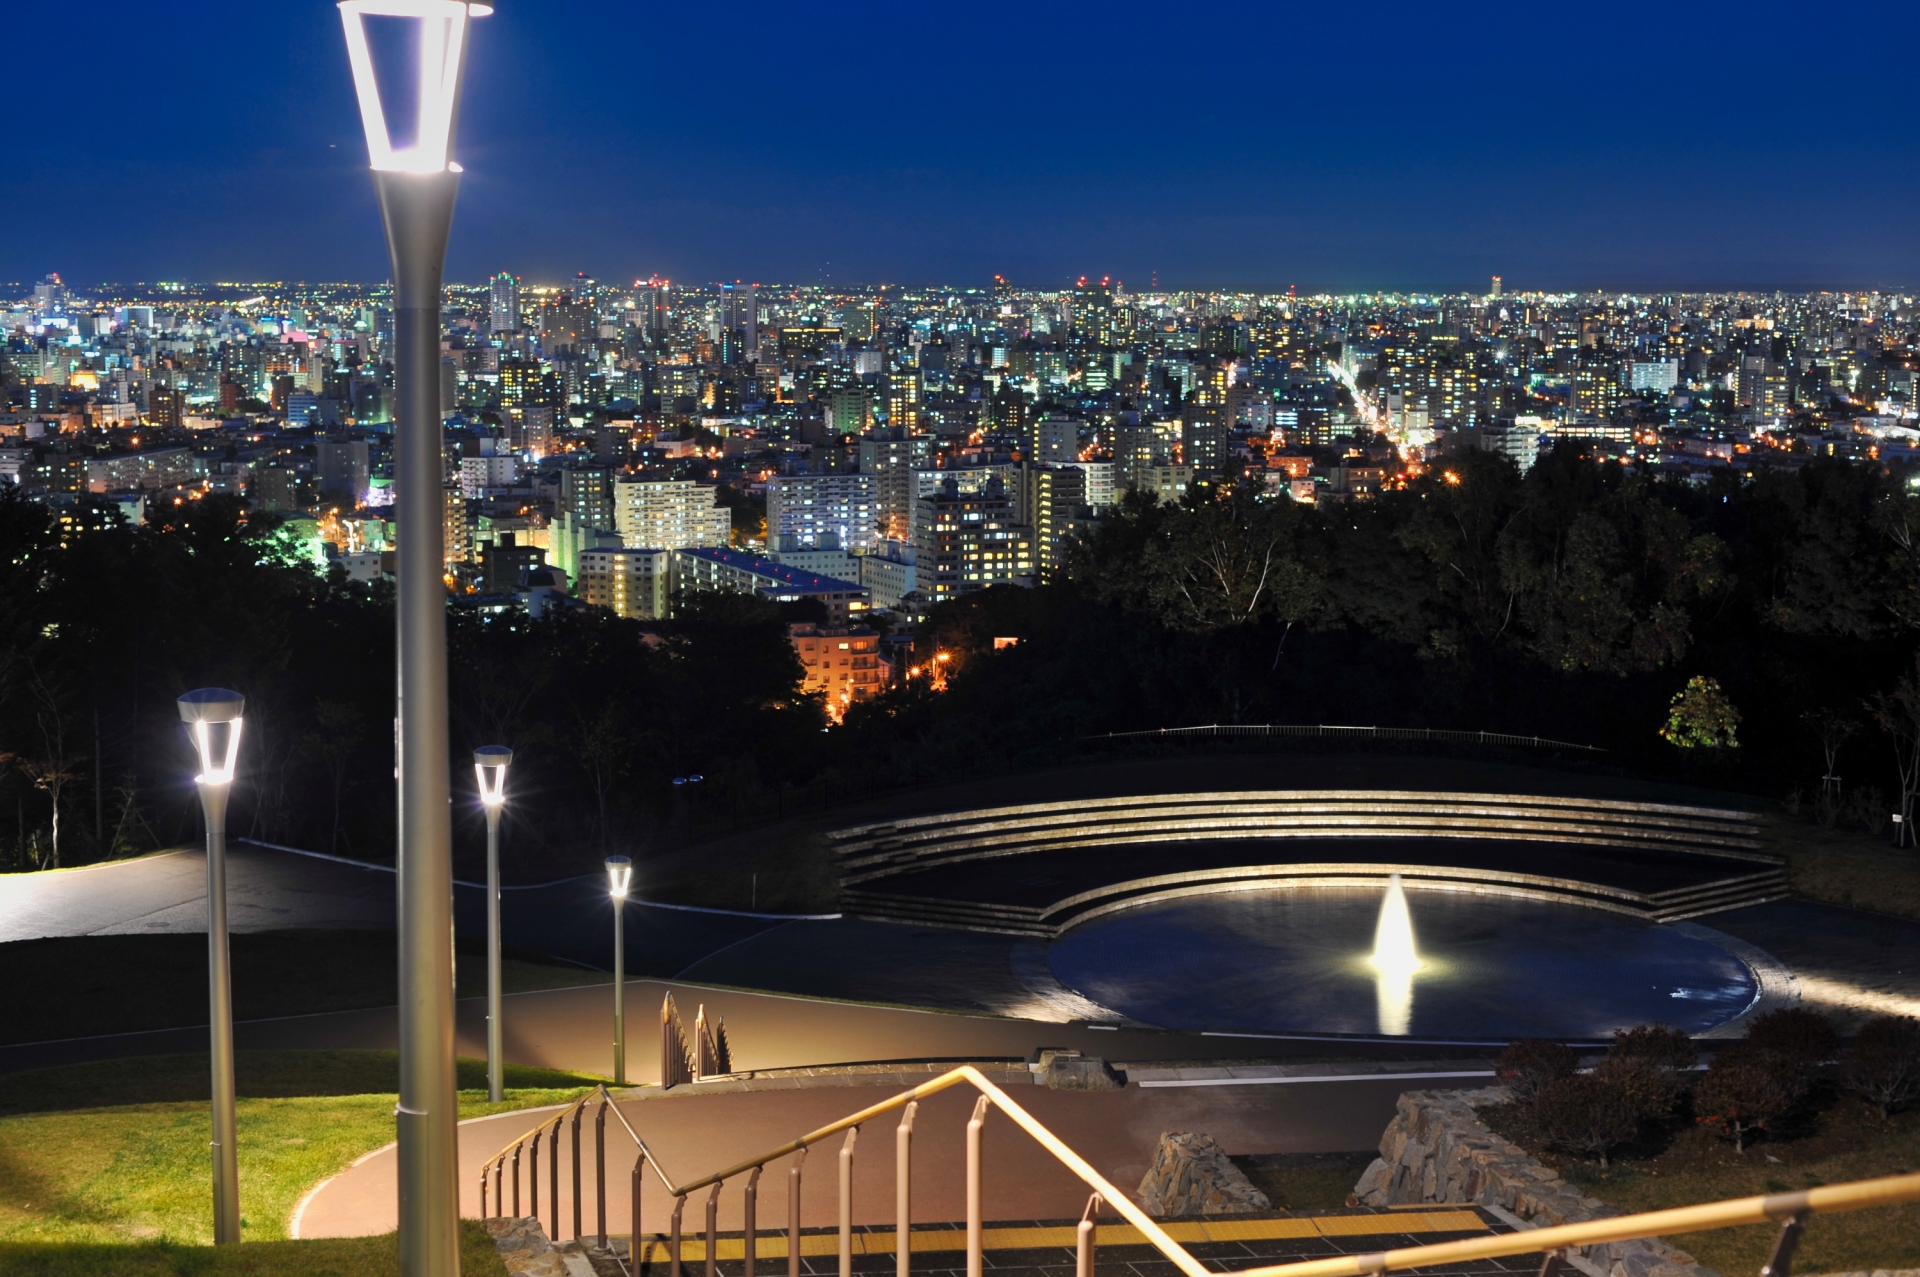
<point x="1573" y="602"/>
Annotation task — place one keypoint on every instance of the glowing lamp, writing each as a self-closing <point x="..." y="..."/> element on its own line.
<point x="490" y="769"/>
<point x="204" y="710"/>
<point x="619" y="876"/>
<point x="440" y="28"/>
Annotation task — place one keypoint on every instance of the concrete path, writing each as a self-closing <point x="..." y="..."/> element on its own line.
<point x="694" y="1134"/>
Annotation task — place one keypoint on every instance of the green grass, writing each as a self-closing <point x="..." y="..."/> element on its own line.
<point x="1846" y="1142"/>
<point x="137" y="1170"/>
<point x="1306" y="1181"/>
<point x="79" y="986"/>
<point x="334" y="1257"/>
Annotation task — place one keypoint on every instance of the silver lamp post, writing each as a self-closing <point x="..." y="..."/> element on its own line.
<point x="619" y="878"/>
<point x="490" y="769"/>
<point x="206" y="712"/>
<point x="417" y="182"/>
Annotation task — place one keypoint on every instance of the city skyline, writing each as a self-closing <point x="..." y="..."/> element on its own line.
<point x="1420" y="154"/>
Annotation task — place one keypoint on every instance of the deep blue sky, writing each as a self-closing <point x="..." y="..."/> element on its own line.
<point x="1341" y="146"/>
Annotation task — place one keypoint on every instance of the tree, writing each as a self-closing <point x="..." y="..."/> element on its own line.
<point x="1898" y="715"/>
<point x="1743" y="1092"/>
<point x="335" y="745"/>
<point x="1529" y="1065"/>
<point x="55" y="768"/>
<point x="1833" y="730"/>
<point x="1883" y="1066"/>
<point x="1589" y="1113"/>
<point x="1702" y="717"/>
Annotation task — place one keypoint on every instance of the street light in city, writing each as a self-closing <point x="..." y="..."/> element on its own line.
<point x="417" y="181"/>
<point x="490" y="769"/>
<point x="212" y="716"/>
<point x="619" y="878"/>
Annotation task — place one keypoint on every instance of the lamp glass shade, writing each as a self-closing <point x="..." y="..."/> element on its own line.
<point x="490" y="769"/>
<point x="440" y="29"/>
<point x="619" y="875"/>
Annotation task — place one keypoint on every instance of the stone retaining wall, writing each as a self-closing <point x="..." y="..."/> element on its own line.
<point x="1437" y="1149"/>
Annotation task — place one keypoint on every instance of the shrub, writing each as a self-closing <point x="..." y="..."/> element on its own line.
<point x="1528" y="1065"/>
<point x="1659" y="1045"/>
<point x="1804" y="1039"/>
<point x="1745" y="1089"/>
<point x="1884" y="1065"/>
<point x="1701" y="717"/>
<point x="1587" y="1113"/>
<point x="1866" y="808"/>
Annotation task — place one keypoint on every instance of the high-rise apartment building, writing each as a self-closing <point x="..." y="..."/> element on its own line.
<point x="458" y="532"/>
<point x="503" y="304"/>
<point x="968" y="541"/>
<point x="823" y="510"/>
<point x="668" y="514"/>
<point x="891" y="457"/>
<point x="633" y="583"/>
<point x="1053" y="502"/>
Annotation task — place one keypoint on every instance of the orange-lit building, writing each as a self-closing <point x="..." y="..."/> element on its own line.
<point x="843" y="663"/>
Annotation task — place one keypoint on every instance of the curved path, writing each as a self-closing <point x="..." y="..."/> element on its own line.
<point x="693" y="1134"/>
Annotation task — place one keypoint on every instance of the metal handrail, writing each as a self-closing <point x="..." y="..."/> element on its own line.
<point x="1790" y="1208"/>
<point x="1443" y="735"/>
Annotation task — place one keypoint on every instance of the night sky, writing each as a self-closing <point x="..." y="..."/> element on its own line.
<point x="1337" y="146"/>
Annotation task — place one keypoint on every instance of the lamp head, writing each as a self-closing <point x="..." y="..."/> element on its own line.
<point x="490" y="768"/>
<point x="440" y="28"/>
<point x="619" y="876"/>
<point x="202" y="711"/>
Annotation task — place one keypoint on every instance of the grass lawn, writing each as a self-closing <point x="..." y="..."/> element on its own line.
<point x="78" y="986"/>
<point x="1848" y="1142"/>
<point x="137" y="1170"/>
<point x="1844" y="866"/>
<point x="334" y="1257"/>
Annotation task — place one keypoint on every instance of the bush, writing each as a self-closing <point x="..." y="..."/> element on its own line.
<point x="1866" y="808"/>
<point x="1745" y="1089"/>
<point x="1589" y="1113"/>
<point x="1803" y="1039"/>
<point x="1527" y="1066"/>
<point x="1649" y="1064"/>
<point x="1884" y="1065"/>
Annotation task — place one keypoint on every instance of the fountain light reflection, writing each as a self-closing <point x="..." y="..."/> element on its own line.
<point x="1394" y="961"/>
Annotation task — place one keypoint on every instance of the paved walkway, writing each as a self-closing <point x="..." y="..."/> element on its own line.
<point x="695" y="1134"/>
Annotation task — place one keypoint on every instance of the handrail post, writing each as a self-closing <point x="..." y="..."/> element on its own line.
<point x="903" y="1191"/>
<point x="533" y="1177"/>
<point x="976" y="1226"/>
<point x="578" y="1110"/>
<point x="499" y="1182"/>
<point x="553" y="1178"/>
<point x="1089" y="1222"/>
<point x="633" y="1245"/>
<point x="750" y="1209"/>
<point x="846" y="1202"/>
<point x="673" y="1234"/>
<point x="793" y="1212"/>
<point x="600" y="1166"/>
<point x="483" y="1193"/>
<point x="713" y="1229"/>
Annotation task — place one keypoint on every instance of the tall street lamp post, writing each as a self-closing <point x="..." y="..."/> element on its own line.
<point x="417" y="182"/>
<point x="204" y="712"/>
<point x="490" y="768"/>
<point x="619" y="878"/>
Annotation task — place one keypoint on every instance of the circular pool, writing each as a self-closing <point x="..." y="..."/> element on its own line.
<point x="1297" y="961"/>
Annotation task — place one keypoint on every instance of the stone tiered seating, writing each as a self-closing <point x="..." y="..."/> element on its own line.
<point x="883" y="866"/>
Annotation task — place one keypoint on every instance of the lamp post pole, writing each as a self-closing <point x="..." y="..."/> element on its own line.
<point x="417" y="185"/>
<point x="493" y="795"/>
<point x="201" y="711"/>
<point x="619" y="877"/>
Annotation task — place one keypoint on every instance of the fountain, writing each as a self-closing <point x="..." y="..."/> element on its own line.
<point x="1394" y="961"/>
